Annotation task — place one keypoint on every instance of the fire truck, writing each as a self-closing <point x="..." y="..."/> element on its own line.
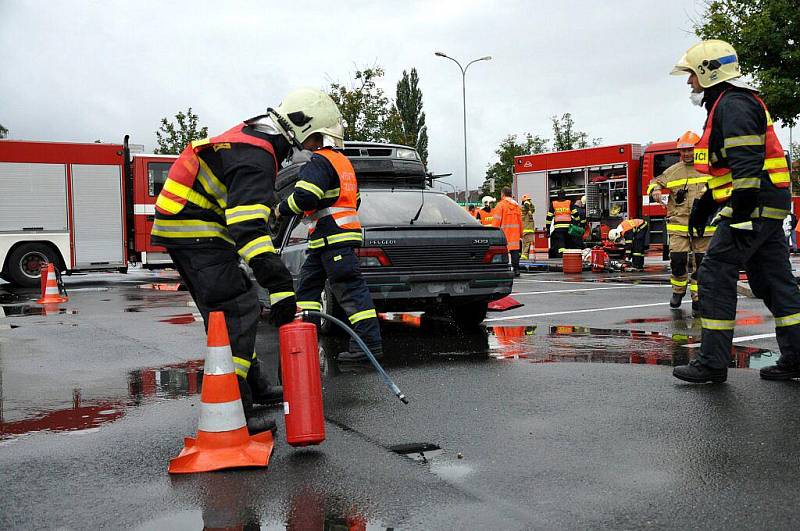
<point x="613" y="178"/>
<point x="79" y="206"/>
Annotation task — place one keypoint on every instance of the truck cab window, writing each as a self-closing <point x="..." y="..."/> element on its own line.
<point x="156" y="176"/>
<point x="663" y="161"/>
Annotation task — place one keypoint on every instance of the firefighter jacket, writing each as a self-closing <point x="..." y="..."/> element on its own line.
<point x="579" y="216"/>
<point x="560" y="213"/>
<point x="630" y="227"/>
<point x="681" y="176"/>
<point x="742" y="154"/>
<point x="527" y="218"/>
<point x="508" y="216"/>
<point x="487" y="216"/>
<point x="326" y="192"/>
<point x="219" y="192"/>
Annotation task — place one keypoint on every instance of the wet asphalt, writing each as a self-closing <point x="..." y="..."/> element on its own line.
<point x="559" y="414"/>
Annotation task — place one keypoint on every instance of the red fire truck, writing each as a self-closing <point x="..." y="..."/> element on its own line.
<point x="613" y="178"/>
<point x="79" y="206"/>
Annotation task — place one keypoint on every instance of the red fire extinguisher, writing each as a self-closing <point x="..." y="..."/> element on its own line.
<point x="302" y="384"/>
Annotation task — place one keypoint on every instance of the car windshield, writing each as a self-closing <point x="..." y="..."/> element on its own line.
<point x="398" y="207"/>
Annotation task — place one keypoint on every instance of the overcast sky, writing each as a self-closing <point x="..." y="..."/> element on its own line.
<point x="83" y="70"/>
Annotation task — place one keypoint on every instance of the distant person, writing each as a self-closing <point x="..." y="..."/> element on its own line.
<point x="528" y="227"/>
<point x="508" y="216"/>
<point x="474" y="212"/>
<point x="578" y="225"/>
<point x="559" y="218"/>
<point x="485" y="213"/>
<point x="634" y="232"/>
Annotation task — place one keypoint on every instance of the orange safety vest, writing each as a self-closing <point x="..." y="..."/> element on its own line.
<point x="721" y="182"/>
<point x="184" y="171"/>
<point x="344" y="211"/>
<point x="508" y="217"/>
<point x="562" y="211"/>
<point x="630" y="224"/>
<point x="487" y="218"/>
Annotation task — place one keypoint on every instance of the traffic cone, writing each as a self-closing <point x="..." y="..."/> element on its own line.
<point x="50" y="293"/>
<point x="222" y="437"/>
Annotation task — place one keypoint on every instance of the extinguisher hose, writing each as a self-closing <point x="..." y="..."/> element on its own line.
<point x="389" y="383"/>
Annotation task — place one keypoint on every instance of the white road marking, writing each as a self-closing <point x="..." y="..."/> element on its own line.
<point x="588" y="310"/>
<point x="736" y="339"/>
<point x="578" y="290"/>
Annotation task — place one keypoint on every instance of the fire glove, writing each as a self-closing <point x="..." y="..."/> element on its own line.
<point x="702" y="209"/>
<point x="273" y="275"/>
<point x="743" y="226"/>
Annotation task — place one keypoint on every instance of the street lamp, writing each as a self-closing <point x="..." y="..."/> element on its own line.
<point x="464" y="104"/>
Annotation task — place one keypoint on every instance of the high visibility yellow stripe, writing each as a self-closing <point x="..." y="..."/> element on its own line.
<point x="345" y="237"/>
<point x="679" y="283"/>
<point x="260" y="245"/>
<point x="672" y="227"/>
<point x="200" y="143"/>
<point x="310" y="305"/>
<point x="776" y="163"/>
<point x="746" y="182"/>
<point x="684" y="182"/>
<point x="245" y="213"/>
<point x="241" y="366"/>
<point x="360" y="316"/>
<point x="190" y="195"/>
<point x="718" y="324"/>
<point x="780" y="177"/>
<point x="652" y="186"/>
<point x="165" y="203"/>
<point x="241" y="361"/>
<point x="275" y="298"/>
<point x="744" y="140"/>
<point x="189" y="228"/>
<point x="211" y="184"/>
<point x="334" y="192"/>
<point x="311" y="187"/>
<point x="293" y="205"/>
<point x="774" y="213"/>
<point x="722" y="180"/>
<point x="788" y="320"/>
<point x="694" y="286"/>
<point x="720" y="194"/>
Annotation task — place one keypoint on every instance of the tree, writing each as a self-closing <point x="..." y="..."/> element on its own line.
<point x="766" y="36"/>
<point x="364" y="106"/>
<point x="172" y="138"/>
<point x="408" y="106"/>
<point x="502" y="171"/>
<point x="794" y="151"/>
<point x="3" y="131"/>
<point x="566" y="137"/>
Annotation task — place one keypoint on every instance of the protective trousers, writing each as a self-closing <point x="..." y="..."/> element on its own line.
<point x="680" y="245"/>
<point x="527" y="244"/>
<point x="217" y="283"/>
<point x="558" y="242"/>
<point x="339" y="266"/>
<point x="764" y="255"/>
<point x="635" y="243"/>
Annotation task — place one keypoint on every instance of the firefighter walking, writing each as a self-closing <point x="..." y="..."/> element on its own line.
<point x="528" y="226"/>
<point x="634" y="232"/>
<point x="559" y="218"/>
<point x="212" y="213"/>
<point x="748" y="198"/>
<point x="684" y="185"/>
<point x="508" y="216"/>
<point x="326" y="194"/>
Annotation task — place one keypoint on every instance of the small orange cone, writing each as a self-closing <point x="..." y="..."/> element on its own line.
<point x="50" y="293"/>
<point x="222" y="437"/>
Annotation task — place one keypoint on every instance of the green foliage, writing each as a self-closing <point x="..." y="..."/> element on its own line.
<point x="364" y="106"/>
<point x="502" y="170"/>
<point x="766" y="36"/>
<point x="794" y="151"/>
<point x="3" y="131"/>
<point x="565" y="136"/>
<point x="408" y="108"/>
<point x="173" y="137"/>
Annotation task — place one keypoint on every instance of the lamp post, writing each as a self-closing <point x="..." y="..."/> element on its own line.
<point x="464" y="104"/>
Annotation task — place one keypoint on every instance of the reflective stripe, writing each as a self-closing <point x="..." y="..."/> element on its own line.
<point x="780" y="177"/>
<point x="775" y="163"/>
<point x="310" y="305"/>
<point x="190" y="195"/>
<point x="527" y="231"/>
<point x="245" y="213"/>
<point x="744" y="140"/>
<point x="679" y="283"/>
<point x="360" y="316"/>
<point x="684" y="182"/>
<point x="218" y="361"/>
<point x="346" y="220"/>
<point x="333" y="192"/>
<point x="165" y="203"/>
<point x="718" y="324"/>
<point x="720" y="195"/>
<point x="293" y="205"/>
<point x="721" y="180"/>
<point x="329" y="211"/>
<point x="746" y="183"/>
<point x="788" y="320"/>
<point x="672" y="227"/>
<point x="211" y="184"/>
<point x="275" y="298"/>
<point x="345" y="237"/>
<point x="513" y="226"/>
<point x="241" y="365"/>
<point x="189" y="228"/>
<point x="260" y="245"/>
<point x="200" y="143"/>
<point x="694" y="286"/>
<point x="310" y="187"/>
<point x="774" y="213"/>
<point x="224" y="416"/>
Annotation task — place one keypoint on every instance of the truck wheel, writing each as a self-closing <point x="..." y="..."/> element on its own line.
<point x="470" y="315"/>
<point x="331" y="307"/>
<point x="25" y="262"/>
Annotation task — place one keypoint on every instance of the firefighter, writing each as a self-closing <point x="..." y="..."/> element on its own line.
<point x="486" y="216"/>
<point x="559" y="218"/>
<point x="326" y="194"/>
<point x="748" y="198"/>
<point x="213" y="212"/>
<point x="577" y="227"/>
<point x="528" y="226"/>
<point x="508" y="216"/>
<point x="685" y="185"/>
<point x="635" y="233"/>
<point x="474" y="212"/>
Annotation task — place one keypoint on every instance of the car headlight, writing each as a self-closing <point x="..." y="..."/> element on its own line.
<point x="407" y="154"/>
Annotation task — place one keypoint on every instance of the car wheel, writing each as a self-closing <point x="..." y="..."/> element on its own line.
<point x="25" y="262"/>
<point x="470" y="315"/>
<point x="331" y="307"/>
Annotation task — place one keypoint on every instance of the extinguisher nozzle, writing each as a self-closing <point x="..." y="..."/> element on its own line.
<point x="403" y="398"/>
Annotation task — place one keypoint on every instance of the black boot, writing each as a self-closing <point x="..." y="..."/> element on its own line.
<point x="675" y="301"/>
<point x="780" y="371"/>
<point x="257" y="419"/>
<point x="695" y="372"/>
<point x="263" y="391"/>
<point x="356" y="355"/>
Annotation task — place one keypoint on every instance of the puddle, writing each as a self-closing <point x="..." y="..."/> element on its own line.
<point x="18" y="310"/>
<point x="163" y="286"/>
<point x="183" y="318"/>
<point x="169" y="382"/>
<point x="417" y="451"/>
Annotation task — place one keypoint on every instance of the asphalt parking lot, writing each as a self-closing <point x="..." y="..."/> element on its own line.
<point x="559" y="414"/>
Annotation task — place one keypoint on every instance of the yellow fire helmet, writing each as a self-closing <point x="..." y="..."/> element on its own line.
<point x="713" y="61"/>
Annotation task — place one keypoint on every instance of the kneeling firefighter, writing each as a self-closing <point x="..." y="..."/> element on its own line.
<point x="326" y="194"/>
<point x="213" y="212"/>
<point x="635" y="233"/>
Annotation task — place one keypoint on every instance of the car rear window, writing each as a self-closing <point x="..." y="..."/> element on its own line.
<point x="398" y="207"/>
